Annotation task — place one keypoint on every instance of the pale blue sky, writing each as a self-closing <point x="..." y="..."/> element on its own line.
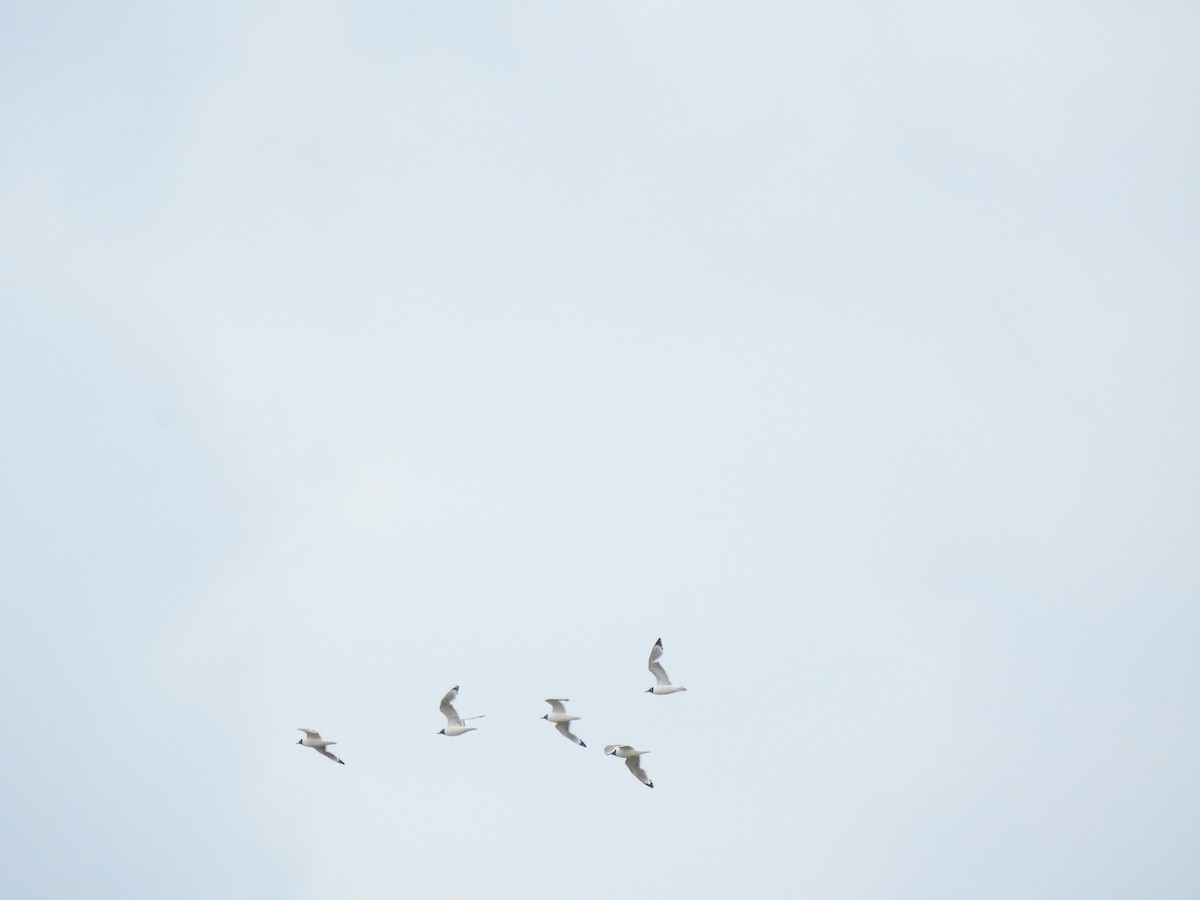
<point x="349" y="354"/>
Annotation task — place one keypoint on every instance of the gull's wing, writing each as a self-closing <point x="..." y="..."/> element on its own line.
<point x="557" y="705"/>
<point x="638" y="772"/>
<point x="310" y="733"/>
<point x="448" y="711"/>
<point x="611" y="749"/>
<point x="656" y="650"/>
<point x="564" y="728"/>
<point x="325" y="752"/>
<point x="660" y="674"/>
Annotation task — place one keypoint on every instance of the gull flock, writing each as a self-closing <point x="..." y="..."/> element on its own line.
<point x="558" y="717"/>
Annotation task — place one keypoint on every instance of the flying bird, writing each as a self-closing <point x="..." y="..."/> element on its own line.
<point x="454" y="722"/>
<point x="663" y="683"/>
<point x="562" y="720"/>
<point x="313" y="739"/>
<point x="631" y="757"/>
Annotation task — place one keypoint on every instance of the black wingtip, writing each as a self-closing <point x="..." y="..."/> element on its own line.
<point x="658" y="643"/>
<point x="649" y="784"/>
<point x="342" y="763"/>
<point x="582" y="744"/>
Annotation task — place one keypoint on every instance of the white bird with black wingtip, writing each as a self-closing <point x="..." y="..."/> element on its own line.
<point x="662" y="682"/>
<point x="632" y="759"/>
<point x="454" y="722"/>
<point x="562" y="720"/>
<point x="313" y="739"/>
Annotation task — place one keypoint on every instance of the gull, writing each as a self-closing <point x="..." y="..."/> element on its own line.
<point x="454" y="722"/>
<point x="313" y="739"/>
<point x="562" y="720"/>
<point x="631" y="757"/>
<point x="663" y="685"/>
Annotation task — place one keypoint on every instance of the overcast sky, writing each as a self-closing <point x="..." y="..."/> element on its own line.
<point x="349" y="353"/>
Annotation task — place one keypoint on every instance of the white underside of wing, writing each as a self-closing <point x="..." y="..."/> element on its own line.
<point x="564" y="728"/>
<point x="660" y="674"/>
<point x="447" y="707"/>
<point x="638" y="772"/>
<point x="656" y="669"/>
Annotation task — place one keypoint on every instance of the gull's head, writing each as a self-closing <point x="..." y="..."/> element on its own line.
<point x="301" y="741"/>
<point x="649" y="690"/>
<point x="443" y="731"/>
<point x="546" y="716"/>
